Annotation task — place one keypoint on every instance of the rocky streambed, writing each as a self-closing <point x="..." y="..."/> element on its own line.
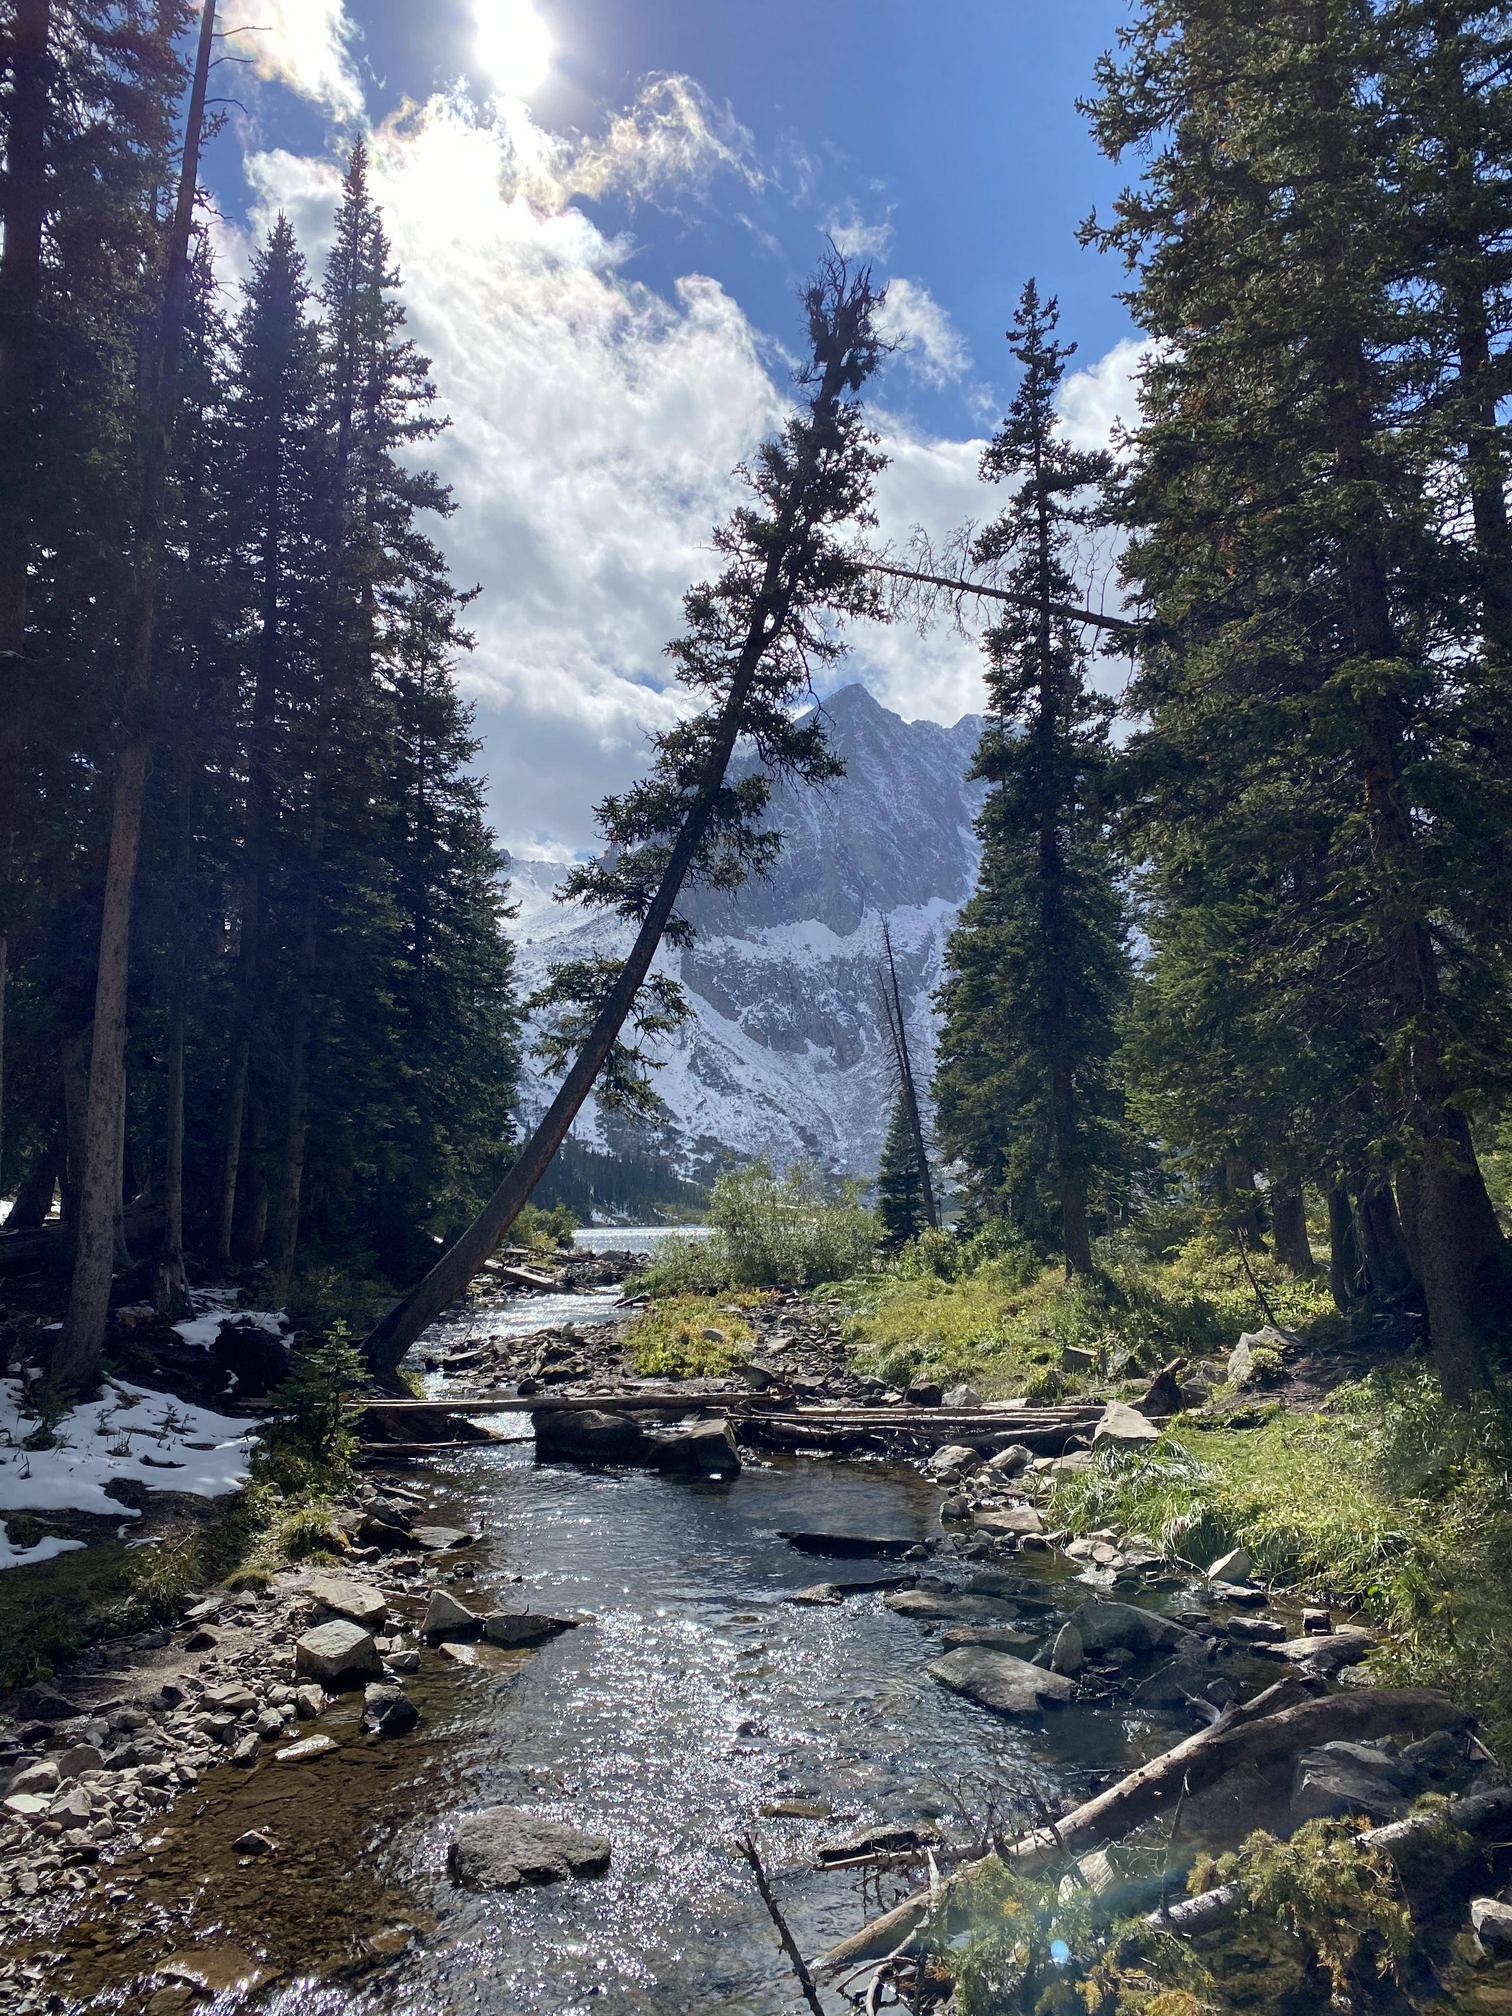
<point x="499" y="1757"/>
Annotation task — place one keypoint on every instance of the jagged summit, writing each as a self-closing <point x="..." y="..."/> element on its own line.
<point x="786" y="1054"/>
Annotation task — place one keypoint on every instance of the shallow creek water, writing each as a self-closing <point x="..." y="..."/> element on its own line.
<point x="695" y="1699"/>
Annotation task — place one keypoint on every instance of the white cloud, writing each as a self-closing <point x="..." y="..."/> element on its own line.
<point x="304" y="44"/>
<point x="596" y="425"/>
<point x="924" y="333"/>
<point x="1095" y="402"/>
<point x="856" y="238"/>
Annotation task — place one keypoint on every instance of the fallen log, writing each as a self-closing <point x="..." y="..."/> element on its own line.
<point x="52" y="1244"/>
<point x="1480" y="1815"/>
<point x="1281" y="1719"/>
<point x="526" y="1277"/>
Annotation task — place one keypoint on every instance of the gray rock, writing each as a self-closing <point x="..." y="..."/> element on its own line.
<point x="1067" y="1653"/>
<point x="696" y="1449"/>
<point x="502" y="1847"/>
<point x="1011" y="1461"/>
<point x="252" y="1843"/>
<point x="338" y="1654"/>
<point x="962" y="1396"/>
<point x="388" y="1711"/>
<point x="1235" y="1566"/>
<point x="442" y="1539"/>
<point x="1325" y="1652"/>
<point x="1342" y="1778"/>
<point x="1491" y="1920"/>
<point x="1010" y="1519"/>
<point x="949" y="1605"/>
<point x="952" y="1462"/>
<point x="41" y="1776"/>
<point x="308" y="1702"/>
<point x="1123" y="1427"/>
<point x="1110" y="1627"/>
<point x="999" y="1681"/>
<point x="1245" y="1367"/>
<point x="306" y="1748"/>
<point x="516" y="1629"/>
<point x="343" y="1596"/>
<point x="445" y="1617"/>
<point x="585" y="1435"/>
<point x="72" y="1807"/>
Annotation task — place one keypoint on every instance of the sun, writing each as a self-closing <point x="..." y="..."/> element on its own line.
<point x="513" y="45"/>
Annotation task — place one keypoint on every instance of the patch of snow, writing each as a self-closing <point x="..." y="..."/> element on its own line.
<point x="12" y="1556"/>
<point x="162" y="1443"/>
<point x="215" y="1306"/>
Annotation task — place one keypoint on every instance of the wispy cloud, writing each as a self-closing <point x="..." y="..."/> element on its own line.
<point x="922" y="330"/>
<point x="857" y="237"/>
<point x="303" y="44"/>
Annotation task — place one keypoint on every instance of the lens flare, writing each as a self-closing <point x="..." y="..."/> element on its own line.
<point x="513" y="46"/>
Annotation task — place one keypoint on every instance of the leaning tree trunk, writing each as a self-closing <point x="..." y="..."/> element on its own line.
<point x="76" y="1362"/>
<point x="893" y="1004"/>
<point x="34" y="1194"/>
<point x="391" y="1337"/>
<point x="20" y="351"/>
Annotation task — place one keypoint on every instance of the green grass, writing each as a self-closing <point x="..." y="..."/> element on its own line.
<point x="667" y="1341"/>
<point x="1004" y="1322"/>
<point x="1385" y="1502"/>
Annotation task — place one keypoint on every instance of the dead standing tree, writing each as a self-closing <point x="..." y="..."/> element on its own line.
<point x="752" y="638"/>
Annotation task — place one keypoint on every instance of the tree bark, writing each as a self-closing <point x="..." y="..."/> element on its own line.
<point x="228" y="1164"/>
<point x="25" y="186"/>
<point x="1289" y="1228"/>
<point x="1382" y="1246"/>
<point x="389" y="1339"/>
<point x="76" y="1362"/>
<point x="34" y="1194"/>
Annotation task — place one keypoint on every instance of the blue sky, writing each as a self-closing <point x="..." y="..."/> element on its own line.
<point x="602" y="209"/>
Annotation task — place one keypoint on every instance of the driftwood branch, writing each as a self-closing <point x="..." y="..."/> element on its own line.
<point x="752" y="1854"/>
<point x="1275" y="1722"/>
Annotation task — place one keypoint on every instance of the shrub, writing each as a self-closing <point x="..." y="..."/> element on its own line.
<point x="672" y="1340"/>
<point x="308" y="1411"/>
<point x="544" y="1229"/>
<point x="770" y="1231"/>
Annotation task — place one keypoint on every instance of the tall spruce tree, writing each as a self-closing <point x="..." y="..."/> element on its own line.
<point x="900" y="1181"/>
<point x="1037" y="969"/>
<point x="1308" y="645"/>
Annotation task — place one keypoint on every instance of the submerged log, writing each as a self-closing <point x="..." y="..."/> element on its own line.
<point x="1281" y="1721"/>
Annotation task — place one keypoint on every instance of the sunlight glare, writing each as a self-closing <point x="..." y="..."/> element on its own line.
<point x="513" y="45"/>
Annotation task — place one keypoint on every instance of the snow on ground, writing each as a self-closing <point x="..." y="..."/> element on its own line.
<point x="214" y="1306"/>
<point x="12" y="1556"/>
<point x="162" y="1443"/>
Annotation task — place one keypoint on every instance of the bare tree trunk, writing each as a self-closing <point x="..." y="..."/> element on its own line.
<point x="76" y="1362"/>
<point x="1075" y="1236"/>
<point x="391" y="1337"/>
<point x="1381" y="1243"/>
<point x="1289" y="1228"/>
<point x="34" y="1194"/>
<point x="25" y="184"/>
<point x="898" y="1029"/>
<point x="233" y="1119"/>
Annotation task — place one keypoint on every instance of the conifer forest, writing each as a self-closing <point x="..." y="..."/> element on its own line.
<point x="755" y="1007"/>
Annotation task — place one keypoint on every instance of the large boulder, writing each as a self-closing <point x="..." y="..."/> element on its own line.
<point x="948" y="1465"/>
<point x="1491" y="1921"/>
<point x="950" y="1605"/>
<point x="338" y="1654"/>
<point x="695" y="1449"/>
<point x="387" y="1710"/>
<point x="587" y="1435"/>
<point x="999" y="1681"/>
<point x="445" y="1617"/>
<point x="1123" y="1427"/>
<point x="1010" y="1519"/>
<point x="1259" y="1355"/>
<point x="344" y="1596"/>
<point x="1124" y="1627"/>
<point x="1337" y="1779"/>
<point x="254" y="1356"/>
<point x="502" y="1847"/>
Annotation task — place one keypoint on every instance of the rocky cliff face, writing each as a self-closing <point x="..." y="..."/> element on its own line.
<point x="787" y="1053"/>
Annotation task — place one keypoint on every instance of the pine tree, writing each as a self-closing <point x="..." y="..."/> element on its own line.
<point x="900" y="1186"/>
<point x="1037" y="968"/>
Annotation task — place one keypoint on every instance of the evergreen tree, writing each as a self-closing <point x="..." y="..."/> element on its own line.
<point x="900" y="1183"/>
<point x="1308" y="648"/>
<point x="1037" y="968"/>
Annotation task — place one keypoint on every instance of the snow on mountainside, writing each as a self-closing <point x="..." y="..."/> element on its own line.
<point x="786" y="1053"/>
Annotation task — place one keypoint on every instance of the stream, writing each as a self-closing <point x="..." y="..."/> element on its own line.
<point x="697" y="1703"/>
